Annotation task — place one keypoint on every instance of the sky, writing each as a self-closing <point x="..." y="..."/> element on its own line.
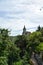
<point x="14" y="14"/>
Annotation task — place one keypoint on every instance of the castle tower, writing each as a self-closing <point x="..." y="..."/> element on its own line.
<point x="24" y="30"/>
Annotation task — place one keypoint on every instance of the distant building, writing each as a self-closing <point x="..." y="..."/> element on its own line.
<point x="25" y="32"/>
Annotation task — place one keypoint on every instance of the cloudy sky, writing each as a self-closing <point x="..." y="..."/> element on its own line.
<point x="14" y="14"/>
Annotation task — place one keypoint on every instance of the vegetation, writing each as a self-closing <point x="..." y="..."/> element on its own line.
<point x="18" y="50"/>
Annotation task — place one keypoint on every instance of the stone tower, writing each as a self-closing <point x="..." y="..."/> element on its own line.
<point x="24" y="30"/>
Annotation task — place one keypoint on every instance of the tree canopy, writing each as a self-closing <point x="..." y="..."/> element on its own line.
<point x="18" y="50"/>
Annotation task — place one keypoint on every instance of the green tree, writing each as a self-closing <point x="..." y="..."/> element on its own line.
<point x="13" y="55"/>
<point x="21" y="42"/>
<point x="39" y="28"/>
<point x="3" y="61"/>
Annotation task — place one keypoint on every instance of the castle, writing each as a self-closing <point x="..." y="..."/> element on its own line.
<point x="25" y="32"/>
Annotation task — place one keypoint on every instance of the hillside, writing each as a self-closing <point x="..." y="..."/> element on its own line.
<point x="21" y="49"/>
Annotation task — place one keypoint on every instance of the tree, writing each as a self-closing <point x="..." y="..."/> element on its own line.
<point x="13" y="55"/>
<point x="21" y="42"/>
<point x="4" y="40"/>
<point x="3" y="61"/>
<point x="39" y="28"/>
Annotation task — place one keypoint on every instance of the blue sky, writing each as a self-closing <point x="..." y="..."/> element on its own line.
<point x="14" y="14"/>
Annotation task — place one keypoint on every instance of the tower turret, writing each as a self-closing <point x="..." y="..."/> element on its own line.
<point x="24" y="30"/>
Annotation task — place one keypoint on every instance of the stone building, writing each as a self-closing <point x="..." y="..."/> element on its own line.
<point x="25" y="32"/>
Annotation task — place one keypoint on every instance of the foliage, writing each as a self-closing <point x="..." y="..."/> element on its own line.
<point x="3" y="61"/>
<point x="40" y="47"/>
<point x="18" y="50"/>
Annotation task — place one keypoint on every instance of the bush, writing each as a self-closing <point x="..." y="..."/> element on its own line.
<point x="3" y="61"/>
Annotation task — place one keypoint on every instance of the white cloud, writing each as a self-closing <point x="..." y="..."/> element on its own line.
<point x="14" y="14"/>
